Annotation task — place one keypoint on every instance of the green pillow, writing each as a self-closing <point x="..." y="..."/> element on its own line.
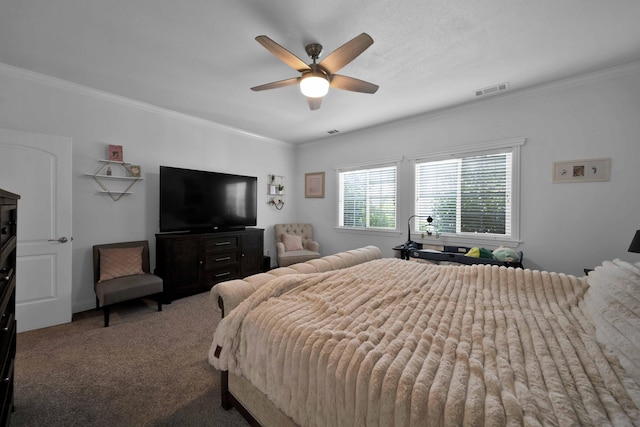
<point x="480" y="253"/>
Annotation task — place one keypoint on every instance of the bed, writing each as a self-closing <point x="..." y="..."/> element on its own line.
<point x="389" y="342"/>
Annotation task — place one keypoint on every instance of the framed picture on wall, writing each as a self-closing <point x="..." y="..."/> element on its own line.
<point x="115" y="153"/>
<point x="314" y="185"/>
<point x="590" y="170"/>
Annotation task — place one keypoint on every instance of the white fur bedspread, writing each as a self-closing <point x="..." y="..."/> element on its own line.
<point x="398" y="343"/>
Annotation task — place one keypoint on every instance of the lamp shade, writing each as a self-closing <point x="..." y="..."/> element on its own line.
<point x="314" y="84"/>
<point x="635" y="243"/>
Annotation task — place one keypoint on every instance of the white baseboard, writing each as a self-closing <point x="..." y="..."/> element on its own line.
<point x="84" y="305"/>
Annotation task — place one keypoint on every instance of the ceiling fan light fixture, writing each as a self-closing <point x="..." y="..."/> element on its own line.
<point x="314" y="84"/>
<point x="315" y="79"/>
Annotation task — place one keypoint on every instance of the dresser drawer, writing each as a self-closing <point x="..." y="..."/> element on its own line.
<point x="6" y="391"/>
<point x="7" y="342"/>
<point x="7" y="288"/>
<point x="221" y="274"/>
<point x="217" y="260"/>
<point x="8" y="223"/>
<point x="222" y="243"/>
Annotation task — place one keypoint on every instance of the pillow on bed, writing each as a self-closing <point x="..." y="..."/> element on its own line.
<point x="612" y="302"/>
<point x="292" y="242"/>
<point x="120" y="262"/>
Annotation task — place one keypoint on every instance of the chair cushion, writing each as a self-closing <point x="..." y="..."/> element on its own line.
<point x="127" y="288"/>
<point x="294" y="257"/>
<point x="292" y="242"/>
<point x="120" y="262"/>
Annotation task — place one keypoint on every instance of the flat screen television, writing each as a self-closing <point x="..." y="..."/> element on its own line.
<point x="202" y="201"/>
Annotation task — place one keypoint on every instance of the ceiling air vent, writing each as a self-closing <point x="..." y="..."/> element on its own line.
<point x="492" y="89"/>
<point x="331" y="132"/>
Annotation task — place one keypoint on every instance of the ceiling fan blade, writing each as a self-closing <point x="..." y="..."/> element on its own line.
<point x="276" y="85"/>
<point x="346" y="53"/>
<point x="355" y="85"/>
<point x="314" y="103"/>
<point x="283" y="54"/>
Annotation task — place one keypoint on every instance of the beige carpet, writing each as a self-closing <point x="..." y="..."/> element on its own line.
<point x="147" y="368"/>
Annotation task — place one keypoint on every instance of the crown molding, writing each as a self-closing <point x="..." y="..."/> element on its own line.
<point x="564" y="83"/>
<point x="54" y="82"/>
<point x="577" y="80"/>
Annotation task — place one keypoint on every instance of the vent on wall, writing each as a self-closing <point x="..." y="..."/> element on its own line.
<point x="331" y="132"/>
<point x="492" y="89"/>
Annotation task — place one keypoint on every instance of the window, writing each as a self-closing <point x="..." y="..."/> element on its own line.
<point x="470" y="193"/>
<point x="368" y="198"/>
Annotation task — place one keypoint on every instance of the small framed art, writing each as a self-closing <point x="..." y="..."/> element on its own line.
<point x="115" y="153"/>
<point x="135" y="170"/>
<point x="314" y="185"/>
<point x="591" y="170"/>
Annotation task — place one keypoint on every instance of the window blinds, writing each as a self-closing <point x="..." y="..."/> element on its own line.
<point x="368" y="198"/>
<point x="466" y="195"/>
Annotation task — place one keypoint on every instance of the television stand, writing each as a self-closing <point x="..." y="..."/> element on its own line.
<point x="191" y="263"/>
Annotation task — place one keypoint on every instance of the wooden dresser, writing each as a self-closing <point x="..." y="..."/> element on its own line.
<point x="8" y="245"/>
<point x="193" y="263"/>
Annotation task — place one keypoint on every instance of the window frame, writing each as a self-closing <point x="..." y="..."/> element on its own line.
<point x="465" y="239"/>
<point x="393" y="162"/>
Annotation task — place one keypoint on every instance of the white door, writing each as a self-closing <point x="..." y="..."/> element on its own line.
<point x="38" y="168"/>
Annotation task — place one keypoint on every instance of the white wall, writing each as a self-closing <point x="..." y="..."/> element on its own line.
<point x="150" y="137"/>
<point x="564" y="227"/>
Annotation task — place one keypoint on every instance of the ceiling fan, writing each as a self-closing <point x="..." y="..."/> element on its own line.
<point x="316" y="78"/>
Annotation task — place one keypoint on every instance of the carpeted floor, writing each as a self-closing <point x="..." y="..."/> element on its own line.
<point x="147" y="368"/>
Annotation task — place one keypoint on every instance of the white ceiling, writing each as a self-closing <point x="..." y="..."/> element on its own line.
<point x="199" y="57"/>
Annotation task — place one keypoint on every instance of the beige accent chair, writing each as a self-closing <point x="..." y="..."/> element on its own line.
<point x="311" y="248"/>
<point x="125" y="288"/>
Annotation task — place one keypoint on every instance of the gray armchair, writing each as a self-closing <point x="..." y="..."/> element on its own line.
<point x="289" y="254"/>
<point x="121" y="272"/>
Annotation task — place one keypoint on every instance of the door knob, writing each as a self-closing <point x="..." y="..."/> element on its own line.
<point x="60" y="240"/>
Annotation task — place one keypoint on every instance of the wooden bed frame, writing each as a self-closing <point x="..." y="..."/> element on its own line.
<point x="253" y="405"/>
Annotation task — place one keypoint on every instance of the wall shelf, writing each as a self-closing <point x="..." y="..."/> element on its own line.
<point x="275" y="191"/>
<point x="106" y="181"/>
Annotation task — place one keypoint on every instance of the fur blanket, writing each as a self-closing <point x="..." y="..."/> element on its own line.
<point x="398" y="343"/>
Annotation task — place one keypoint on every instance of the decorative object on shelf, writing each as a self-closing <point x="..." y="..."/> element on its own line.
<point x="126" y="176"/>
<point x="134" y="170"/>
<point x="275" y="187"/>
<point x="635" y="243"/>
<point x="314" y="185"/>
<point x="115" y="153"/>
<point x="276" y="203"/>
<point x="590" y="170"/>
<point x="272" y="186"/>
